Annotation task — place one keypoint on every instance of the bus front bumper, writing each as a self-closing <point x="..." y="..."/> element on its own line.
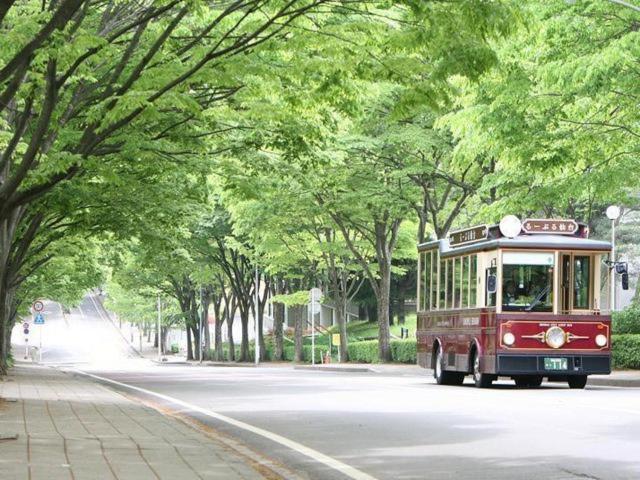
<point x="551" y="364"/>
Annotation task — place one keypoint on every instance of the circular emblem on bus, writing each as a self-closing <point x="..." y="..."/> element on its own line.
<point x="555" y="337"/>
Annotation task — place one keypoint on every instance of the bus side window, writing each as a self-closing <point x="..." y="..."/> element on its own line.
<point x="492" y="286"/>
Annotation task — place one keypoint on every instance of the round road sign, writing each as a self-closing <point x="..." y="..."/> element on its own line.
<point x="38" y="306"/>
<point x="25" y="325"/>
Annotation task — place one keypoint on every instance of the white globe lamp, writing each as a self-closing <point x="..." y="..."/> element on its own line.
<point x="613" y="212"/>
<point x="510" y="226"/>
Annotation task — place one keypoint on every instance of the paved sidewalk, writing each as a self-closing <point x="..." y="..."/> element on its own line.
<point x="73" y="428"/>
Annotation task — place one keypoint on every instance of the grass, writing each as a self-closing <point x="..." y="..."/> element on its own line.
<point x="361" y="330"/>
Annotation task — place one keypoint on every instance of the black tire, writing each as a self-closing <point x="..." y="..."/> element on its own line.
<point x="535" y="381"/>
<point x="577" y="381"/>
<point x="442" y="376"/>
<point x="528" y="381"/>
<point x="481" y="380"/>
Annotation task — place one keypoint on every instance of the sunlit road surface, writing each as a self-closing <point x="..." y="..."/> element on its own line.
<point x="82" y="336"/>
<point x="404" y="426"/>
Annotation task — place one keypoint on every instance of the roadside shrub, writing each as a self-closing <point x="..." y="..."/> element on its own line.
<point x="364" y="352"/>
<point x="404" y="351"/>
<point x="626" y="321"/>
<point x="175" y="348"/>
<point x="626" y="351"/>
<point x="290" y="352"/>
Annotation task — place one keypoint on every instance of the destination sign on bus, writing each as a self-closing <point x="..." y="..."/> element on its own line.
<point x="557" y="227"/>
<point x="468" y="235"/>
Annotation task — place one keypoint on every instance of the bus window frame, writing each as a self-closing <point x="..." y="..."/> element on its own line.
<point x="556" y="310"/>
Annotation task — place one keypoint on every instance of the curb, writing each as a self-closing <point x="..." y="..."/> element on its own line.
<point x="181" y="362"/>
<point x="335" y="369"/>
<point x="614" y="382"/>
<point x="229" y="364"/>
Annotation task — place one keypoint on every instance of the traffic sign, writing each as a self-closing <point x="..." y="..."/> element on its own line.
<point x="25" y="325"/>
<point x="38" y="306"/>
<point x="39" y="320"/>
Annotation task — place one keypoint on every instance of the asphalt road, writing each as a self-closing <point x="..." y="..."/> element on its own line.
<point x="400" y="426"/>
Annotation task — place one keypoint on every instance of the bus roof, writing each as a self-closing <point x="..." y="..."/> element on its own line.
<point x="543" y="241"/>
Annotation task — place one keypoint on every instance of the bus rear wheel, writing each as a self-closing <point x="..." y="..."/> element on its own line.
<point x="577" y="381"/>
<point x="481" y="380"/>
<point x="442" y="376"/>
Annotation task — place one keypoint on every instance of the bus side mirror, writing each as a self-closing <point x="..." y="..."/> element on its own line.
<point x="625" y="281"/>
<point x="492" y="282"/>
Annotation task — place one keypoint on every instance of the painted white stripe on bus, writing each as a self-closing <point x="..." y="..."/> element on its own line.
<point x="343" y="468"/>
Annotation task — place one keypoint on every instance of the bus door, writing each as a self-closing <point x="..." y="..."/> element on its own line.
<point x="565" y="283"/>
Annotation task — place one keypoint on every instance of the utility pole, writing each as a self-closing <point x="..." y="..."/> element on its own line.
<point x="255" y="319"/>
<point x="159" y="329"/>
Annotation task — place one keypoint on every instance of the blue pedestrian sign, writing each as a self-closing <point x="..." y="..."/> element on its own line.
<point x="39" y="320"/>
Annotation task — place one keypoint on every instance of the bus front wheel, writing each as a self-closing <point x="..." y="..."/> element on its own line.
<point x="577" y="381"/>
<point x="481" y="380"/>
<point x="442" y="376"/>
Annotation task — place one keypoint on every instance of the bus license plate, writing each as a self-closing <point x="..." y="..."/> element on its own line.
<point x="555" y="363"/>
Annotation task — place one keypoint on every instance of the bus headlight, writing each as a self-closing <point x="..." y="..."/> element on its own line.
<point x="508" y="339"/>
<point x="601" y="340"/>
<point x="555" y="337"/>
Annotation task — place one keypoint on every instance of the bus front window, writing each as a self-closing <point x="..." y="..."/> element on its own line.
<point x="527" y="281"/>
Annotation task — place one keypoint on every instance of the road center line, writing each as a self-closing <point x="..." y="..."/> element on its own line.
<point x="330" y="462"/>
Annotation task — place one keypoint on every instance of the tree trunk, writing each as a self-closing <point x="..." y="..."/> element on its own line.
<point x="298" y="332"/>
<point x="8" y="230"/>
<point x="189" y="345"/>
<point x="402" y="314"/>
<point x="164" y="333"/>
<point x="206" y="302"/>
<point x="197" y="342"/>
<point x="382" y="296"/>
<point x="232" y="345"/>
<point x="372" y="313"/>
<point x="244" y="322"/>
<point x="278" y="331"/>
<point x="341" y="320"/>
<point x="218" y="354"/>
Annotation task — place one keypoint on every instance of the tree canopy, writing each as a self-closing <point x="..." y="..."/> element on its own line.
<point x="177" y="146"/>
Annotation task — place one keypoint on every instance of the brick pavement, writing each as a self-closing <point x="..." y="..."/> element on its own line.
<point x="73" y="428"/>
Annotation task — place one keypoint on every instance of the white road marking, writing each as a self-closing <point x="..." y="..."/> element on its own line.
<point x="330" y="462"/>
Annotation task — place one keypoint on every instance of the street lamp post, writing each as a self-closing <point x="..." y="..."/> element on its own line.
<point x="201" y="326"/>
<point x="159" y="330"/>
<point x="613" y="213"/>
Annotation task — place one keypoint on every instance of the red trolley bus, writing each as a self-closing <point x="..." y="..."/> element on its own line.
<point x="525" y="300"/>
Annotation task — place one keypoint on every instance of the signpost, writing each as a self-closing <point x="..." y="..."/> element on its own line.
<point x="39" y="320"/>
<point x="335" y="341"/>
<point x="38" y="307"/>
<point x="25" y="327"/>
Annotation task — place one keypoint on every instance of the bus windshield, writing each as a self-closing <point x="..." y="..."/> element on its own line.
<point x="527" y="283"/>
